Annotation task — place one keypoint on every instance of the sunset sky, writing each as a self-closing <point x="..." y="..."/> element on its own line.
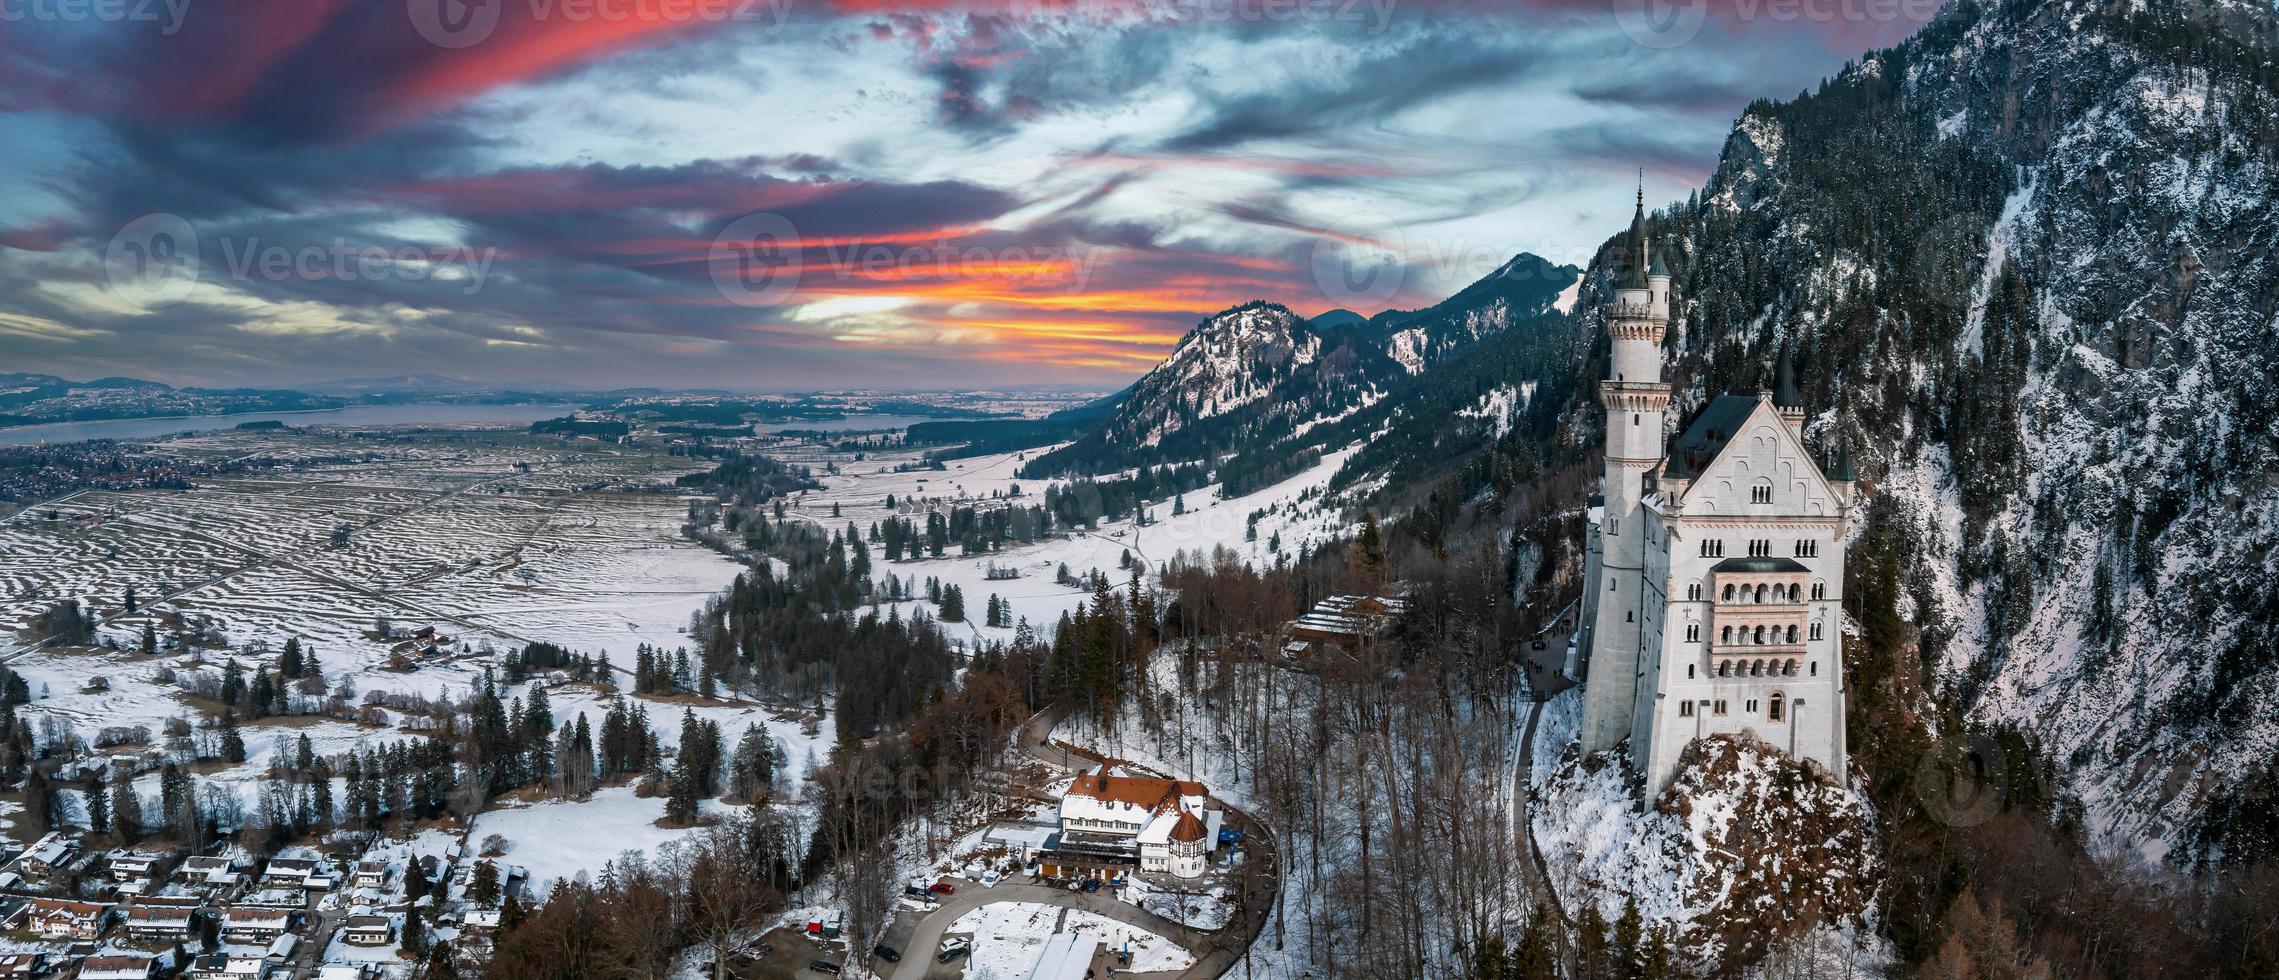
<point x="792" y="194"/>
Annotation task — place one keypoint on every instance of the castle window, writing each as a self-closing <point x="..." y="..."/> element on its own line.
<point x="1819" y="591"/>
<point x="1693" y="632"/>
<point x="1693" y="592"/>
<point x="1791" y="671"/>
<point x="1808" y="549"/>
<point x="1760" y="599"/>
<point x="1685" y="709"/>
<point x="1792" y="634"/>
<point x="1725" y="635"/>
<point x="1689" y="672"/>
<point x="1728" y="593"/>
<point x="1815" y="634"/>
<point x="1725" y="669"/>
<point x="1761" y="493"/>
<point x="1816" y="668"/>
<point x="1794" y="592"/>
<point x="1773" y="710"/>
<point x="1630" y="617"/>
<point x="1752" y="706"/>
<point x="1718" y="710"/>
<point x="1634" y="418"/>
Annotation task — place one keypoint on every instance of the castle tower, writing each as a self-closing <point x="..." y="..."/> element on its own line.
<point x="1635" y="398"/>
<point x="1786" y="399"/>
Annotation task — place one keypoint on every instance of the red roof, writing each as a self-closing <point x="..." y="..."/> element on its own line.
<point x="1147" y="794"/>
<point x="1188" y="830"/>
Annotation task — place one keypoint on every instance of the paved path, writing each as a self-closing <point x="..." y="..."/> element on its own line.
<point x="1545" y="659"/>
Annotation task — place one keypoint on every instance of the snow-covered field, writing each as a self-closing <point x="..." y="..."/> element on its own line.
<point x="559" y="839"/>
<point x="1299" y="518"/>
<point x="494" y="540"/>
<point x="1008" y="936"/>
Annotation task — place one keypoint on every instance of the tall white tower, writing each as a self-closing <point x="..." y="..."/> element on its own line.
<point x="1636" y="399"/>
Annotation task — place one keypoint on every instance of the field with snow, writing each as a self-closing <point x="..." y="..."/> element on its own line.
<point x="1298" y="515"/>
<point x="494" y="539"/>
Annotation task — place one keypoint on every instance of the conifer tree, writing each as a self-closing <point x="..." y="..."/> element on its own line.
<point x="232" y="743"/>
<point x="126" y="810"/>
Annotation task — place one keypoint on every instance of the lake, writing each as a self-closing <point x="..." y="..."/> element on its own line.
<point x="355" y="415"/>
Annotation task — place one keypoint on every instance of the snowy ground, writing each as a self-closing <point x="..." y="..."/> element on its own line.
<point x="859" y="490"/>
<point x="495" y="539"/>
<point x="562" y="840"/>
<point x="1008" y="936"/>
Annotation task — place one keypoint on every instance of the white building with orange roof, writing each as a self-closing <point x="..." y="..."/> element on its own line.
<point x="1109" y="820"/>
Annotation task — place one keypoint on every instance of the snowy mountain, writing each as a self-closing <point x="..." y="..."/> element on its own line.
<point x="1261" y="384"/>
<point x="2025" y="262"/>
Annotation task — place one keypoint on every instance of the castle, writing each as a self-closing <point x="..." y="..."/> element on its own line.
<point x="1713" y="582"/>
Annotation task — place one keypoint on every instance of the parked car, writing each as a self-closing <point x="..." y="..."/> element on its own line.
<point x="951" y="954"/>
<point x="824" y="966"/>
<point x="887" y="953"/>
<point x="1091" y="885"/>
<point x="944" y="888"/>
<point x="989" y="879"/>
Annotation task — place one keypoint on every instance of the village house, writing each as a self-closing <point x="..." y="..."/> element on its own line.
<point x="227" y="966"/>
<point x="54" y="852"/>
<point x="133" y="865"/>
<point x="289" y="872"/>
<point x="1111" y="823"/>
<point x="120" y="966"/>
<point x="216" y="876"/>
<point x="55" y="918"/>
<point x="256" y="925"/>
<point x="368" y="930"/>
<point x="159" y="923"/>
<point x="370" y="874"/>
<point x="22" y="966"/>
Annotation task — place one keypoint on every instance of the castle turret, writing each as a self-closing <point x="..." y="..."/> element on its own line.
<point x="1635" y="399"/>
<point x="1786" y="400"/>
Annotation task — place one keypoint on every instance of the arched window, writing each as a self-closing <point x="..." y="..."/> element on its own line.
<point x="1725" y="669"/>
<point x="1792" y="634"/>
<point x="1816" y="668"/>
<point x="1791" y="671"/>
<point x="1819" y="591"/>
<point x="1725" y="635"/>
<point x="1816" y="631"/>
<point x="1689" y="672"/>
<point x="1759" y="639"/>
<point x="1774" y="710"/>
<point x="1693" y="632"/>
<point x="1693" y="592"/>
<point x="1728" y="593"/>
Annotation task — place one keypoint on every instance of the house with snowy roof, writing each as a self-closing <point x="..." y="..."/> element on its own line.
<point x="159" y="923"/>
<point x="1342" y="622"/>
<point x="49" y="854"/>
<point x="256" y="925"/>
<point x="55" y="918"/>
<point x="1110" y="823"/>
<point x="120" y="966"/>
<point x="22" y="966"/>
